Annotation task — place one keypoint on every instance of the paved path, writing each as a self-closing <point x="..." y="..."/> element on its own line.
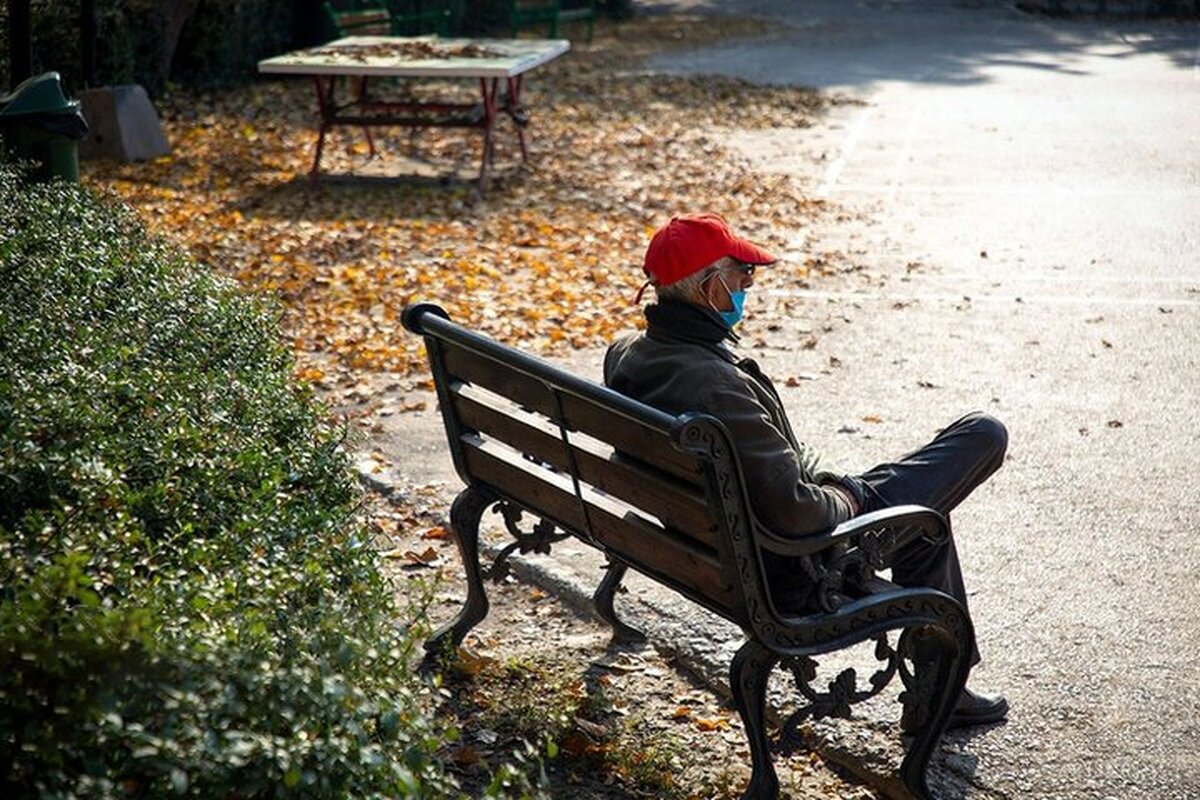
<point x="1023" y="216"/>
<point x="1069" y="154"/>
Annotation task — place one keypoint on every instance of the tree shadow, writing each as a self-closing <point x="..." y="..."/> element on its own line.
<point x="830" y="42"/>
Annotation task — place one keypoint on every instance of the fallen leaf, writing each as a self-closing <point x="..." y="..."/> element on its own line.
<point x="1115" y="423"/>
<point x="874" y="419"/>
<point x="428" y="558"/>
<point x="593" y="729"/>
<point x="470" y="663"/>
<point x="713" y="724"/>
<point x="437" y="532"/>
<point x="466" y="755"/>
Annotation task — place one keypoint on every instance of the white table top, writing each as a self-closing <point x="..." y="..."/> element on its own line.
<point x="419" y="57"/>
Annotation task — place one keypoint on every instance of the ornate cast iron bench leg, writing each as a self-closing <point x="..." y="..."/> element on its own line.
<point x="603" y="602"/>
<point x="933" y="695"/>
<point x="465" y="516"/>
<point x="752" y="665"/>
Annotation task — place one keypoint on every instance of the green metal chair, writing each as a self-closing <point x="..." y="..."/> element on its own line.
<point x="419" y="17"/>
<point x="350" y="18"/>
<point x="551" y="13"/>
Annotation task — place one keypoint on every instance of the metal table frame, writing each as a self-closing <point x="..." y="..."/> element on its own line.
<point x="325" y="67"/>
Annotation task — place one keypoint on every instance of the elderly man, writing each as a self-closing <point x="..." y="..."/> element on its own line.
<point x="700" y="271"/>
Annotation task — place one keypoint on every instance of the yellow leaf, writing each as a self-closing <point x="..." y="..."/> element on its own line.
<point x="470" y="663"/>
<point x="310" y="374"/>
<point x="714" y="724"/>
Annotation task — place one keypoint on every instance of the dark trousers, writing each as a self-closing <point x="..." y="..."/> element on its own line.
<point x="939" y="475"/>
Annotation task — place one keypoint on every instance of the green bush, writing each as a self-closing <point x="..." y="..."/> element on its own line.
<point x="187" y="604"/>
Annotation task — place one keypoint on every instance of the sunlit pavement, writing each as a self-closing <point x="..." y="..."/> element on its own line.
<point x="1022" y="213"/>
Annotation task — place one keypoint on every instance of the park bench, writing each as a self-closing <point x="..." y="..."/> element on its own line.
<point x="551" y="13"/>
<point x="374" y="18"/>
<point x="354" y="19"/>
<point x="665" y="495"/>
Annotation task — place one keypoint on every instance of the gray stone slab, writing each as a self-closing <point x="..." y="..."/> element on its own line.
<point x="124" y="124"/>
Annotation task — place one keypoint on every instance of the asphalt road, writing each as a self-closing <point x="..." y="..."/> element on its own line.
<point x="1021" y="218"/>
<point x="1024" y="201"/>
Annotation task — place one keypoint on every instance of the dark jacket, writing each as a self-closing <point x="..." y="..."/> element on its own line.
<point x="680" y="364"/>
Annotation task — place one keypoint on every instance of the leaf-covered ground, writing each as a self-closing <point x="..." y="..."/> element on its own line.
<point x="537" y="678"/>
<point x="549" y="258"/>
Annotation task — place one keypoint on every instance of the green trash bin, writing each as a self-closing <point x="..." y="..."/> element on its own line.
<point x="38" y="123"/>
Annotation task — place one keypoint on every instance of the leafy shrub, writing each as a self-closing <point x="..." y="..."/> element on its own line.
<point x="187" y="604"/>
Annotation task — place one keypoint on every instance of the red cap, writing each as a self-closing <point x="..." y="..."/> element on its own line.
<point x="689" y="243"/>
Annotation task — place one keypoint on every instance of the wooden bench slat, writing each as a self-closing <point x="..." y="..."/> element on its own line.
<point x="628" y="436"/>
<point x="688" y="567"/>
<point x="362" y="15"/>
<point x="624" y="434"/>
<point x="502" y="379"/>
<point x="371" y="22"/>
<point x="678" y="505"/>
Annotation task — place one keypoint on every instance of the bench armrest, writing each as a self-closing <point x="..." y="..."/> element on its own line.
<point x="878" y="531"/>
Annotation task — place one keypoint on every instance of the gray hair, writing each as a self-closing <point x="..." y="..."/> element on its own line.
<point x="688" y="289"/>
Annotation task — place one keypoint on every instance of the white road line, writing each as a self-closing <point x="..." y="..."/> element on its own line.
<point x="834" y="170"/>
<point x="1041" y="191"/>
<point x="963" y="278"/>
<point x="993" y="299"/>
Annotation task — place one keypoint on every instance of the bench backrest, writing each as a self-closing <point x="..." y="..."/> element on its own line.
<point x="358" y="20"/>
<point x="633" y="481"/>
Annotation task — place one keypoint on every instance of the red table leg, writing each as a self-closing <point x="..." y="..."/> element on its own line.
<point x="516" y="112"/>
<point x="324" y="102"/>
<point x="361" y="97"/>
<point x="490" y="89"/>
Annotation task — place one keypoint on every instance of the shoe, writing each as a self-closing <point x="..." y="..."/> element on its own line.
<point x="977" y="709"/>
<point x="972" y="709"/>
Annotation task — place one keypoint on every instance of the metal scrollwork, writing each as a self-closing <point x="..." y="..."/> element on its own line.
<point x="919" y="684"/>
<point x="844" y="690"/>
<point x="537" y="540"/>
<point x="875" y="546"/>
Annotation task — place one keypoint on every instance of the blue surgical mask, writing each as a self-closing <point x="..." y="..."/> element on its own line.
<point x="734" y="315"/>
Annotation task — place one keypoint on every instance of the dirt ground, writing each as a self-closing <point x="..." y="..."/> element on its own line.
<point x="626" y="721"/>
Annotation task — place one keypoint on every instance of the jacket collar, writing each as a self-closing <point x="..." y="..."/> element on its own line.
<point x="678" y="321"/>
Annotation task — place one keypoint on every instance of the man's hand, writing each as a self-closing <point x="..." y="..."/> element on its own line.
<point x="849" y="497"/>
